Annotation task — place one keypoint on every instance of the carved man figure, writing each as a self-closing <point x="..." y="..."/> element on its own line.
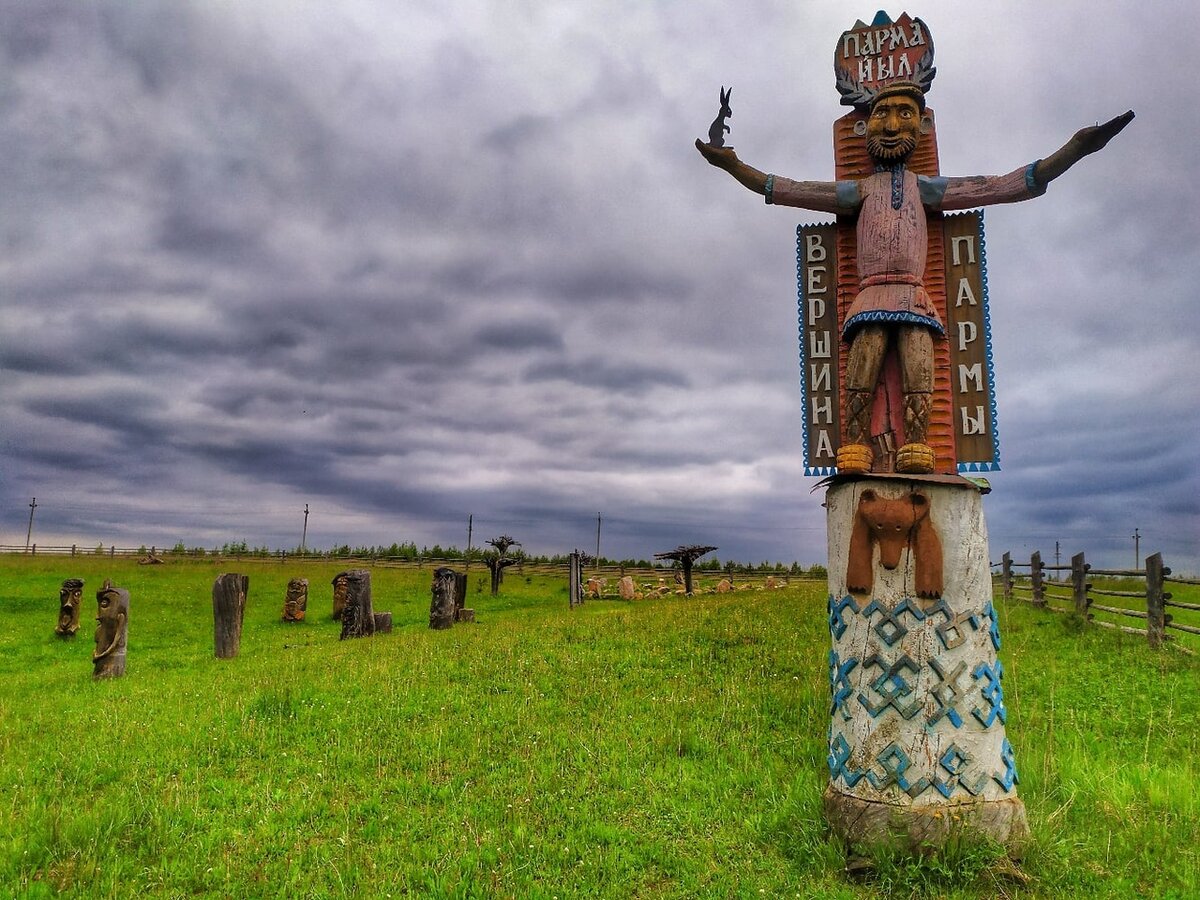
<point x="112" y="624"/>
<point x="892" y="305"/>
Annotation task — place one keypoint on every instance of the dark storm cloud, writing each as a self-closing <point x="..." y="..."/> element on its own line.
<point x="596" y="372"/>
<point x="406" y="268"/>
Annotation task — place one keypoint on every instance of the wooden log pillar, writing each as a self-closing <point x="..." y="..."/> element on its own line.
<point x="295" y="601"/>
<point x="358" y="615"/>
<point x="918" y="754"/>
<point x="1079" y="584"/>
<point x="575" y="580"/>
<point x="460" y="592"/>
<point x="112" y="630"/>
<point x="442" y="607"/>
<point x="1037" y="578"/>
<point x="1006" y="576"/>
<point x="229" y="607"/>
<point x="383" y="623"/>
<point x="1156" y="621"/>
<point x="70" y="603"/>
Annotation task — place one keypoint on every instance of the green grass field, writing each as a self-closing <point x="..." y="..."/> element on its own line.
<point x="663" y="748"/>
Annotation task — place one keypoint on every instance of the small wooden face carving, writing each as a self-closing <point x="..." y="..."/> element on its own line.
<point x="893" y="128"/>
<point x="339" y="594"/>
<point x="70" y="603"/>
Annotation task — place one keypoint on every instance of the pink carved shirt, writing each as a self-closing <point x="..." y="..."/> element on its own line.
<point x="893" y="231"/>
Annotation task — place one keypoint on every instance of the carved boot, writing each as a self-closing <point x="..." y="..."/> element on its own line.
<point x="855" y="456"/>
<point x="916" y="457"/>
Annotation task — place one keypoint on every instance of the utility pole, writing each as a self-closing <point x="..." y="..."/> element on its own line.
<point x="29" y="533"/>
<point x="1056" y="559"/>
<point x="597" y="540"/>
<point x="1137" y="551"/>
<point x="304" y="536"/>
<point x="470" y="524"/>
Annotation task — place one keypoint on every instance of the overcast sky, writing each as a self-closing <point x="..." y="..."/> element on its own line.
<point x="408" y="262"/>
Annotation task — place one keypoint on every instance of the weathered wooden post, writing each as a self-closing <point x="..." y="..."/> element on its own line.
<point x="1006" y="576"/>
<point x="112" y="630"/>
<point x="1079" y="584"/>
<point x="575" y="580"/>
<point x="295" y="601"/>
<point x="896" y="371"/>
<point x="1156" y="620"/>
<point x="1037" y="578"/>
<point x="70" y="602"/>
<point x="441" y="608"/>
<point x="229" y="607"/>
<point x="358" y="615"/>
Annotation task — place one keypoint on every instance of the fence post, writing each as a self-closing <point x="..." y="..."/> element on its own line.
<point x="1006" y="582"/>
<point x="72" y="549"/>
<point x="1035" y="578"/>
<point x="112" y="551"/>
<point x="1155" y="610"/>
<point x="1079" y="585"/>
<point x="33" y="551"/>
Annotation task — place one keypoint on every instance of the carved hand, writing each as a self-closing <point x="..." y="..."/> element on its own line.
<point x="721" y="157"/>
<point x="1094" y="137"/>
<point x="1085" y="141"/>
<point x="725" y="158"/>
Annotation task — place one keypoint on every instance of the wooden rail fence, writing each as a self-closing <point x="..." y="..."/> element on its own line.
<point x="1079" y="592"/>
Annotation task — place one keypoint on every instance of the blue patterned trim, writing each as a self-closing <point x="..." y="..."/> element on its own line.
<point x="992" y="692"/>
<point x="1031" y="182"/>
<point x="837" y="624"/>
<point x="769" y="191"/>
<point x="822" y="471"/>
<point x="994" y="464"/>
<point x="881" y="315"/>
<point x="840" y="688"/>
<point x="1009" y="778"/>
<point x="892" y="686"/>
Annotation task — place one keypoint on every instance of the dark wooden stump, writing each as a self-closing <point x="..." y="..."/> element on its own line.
<point x="295" y="602"/>
<point x="70" y="602"/>
<point x="383" y="623"/>
<point x="112" y="628"/>
<point x="229" y="606"/>
<point x="358" y="617"/>
<point x="443" y="605"/>
<point x="464" y="615"/>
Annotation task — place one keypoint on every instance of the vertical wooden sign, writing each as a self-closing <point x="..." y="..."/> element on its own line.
<point x="820" y="345"/>
<point x="969" y="329"/>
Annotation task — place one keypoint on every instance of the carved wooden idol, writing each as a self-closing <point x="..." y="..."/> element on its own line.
<point x="339" y="594"/>
<point x="358" y="615"/>
<point x="295" y="601"/>
<point x="442" y="606"/>
<point x="112" y="626"/>
<point x="70" y="602"/>
<point x="896" y="374"/>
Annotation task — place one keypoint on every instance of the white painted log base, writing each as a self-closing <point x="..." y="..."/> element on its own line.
<point x="918" y="753"/>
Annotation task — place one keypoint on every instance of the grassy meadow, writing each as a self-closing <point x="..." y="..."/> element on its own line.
<point x="662" y="748"/>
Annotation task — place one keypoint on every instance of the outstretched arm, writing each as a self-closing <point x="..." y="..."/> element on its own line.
<point x="1084" y="142"/>
<point x="725" y="158"/>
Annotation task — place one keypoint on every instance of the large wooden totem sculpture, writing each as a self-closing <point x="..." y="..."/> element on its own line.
<point x="896" y="381"/>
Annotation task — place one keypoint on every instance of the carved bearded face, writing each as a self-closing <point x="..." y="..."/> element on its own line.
<point x="893" y="128"/>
